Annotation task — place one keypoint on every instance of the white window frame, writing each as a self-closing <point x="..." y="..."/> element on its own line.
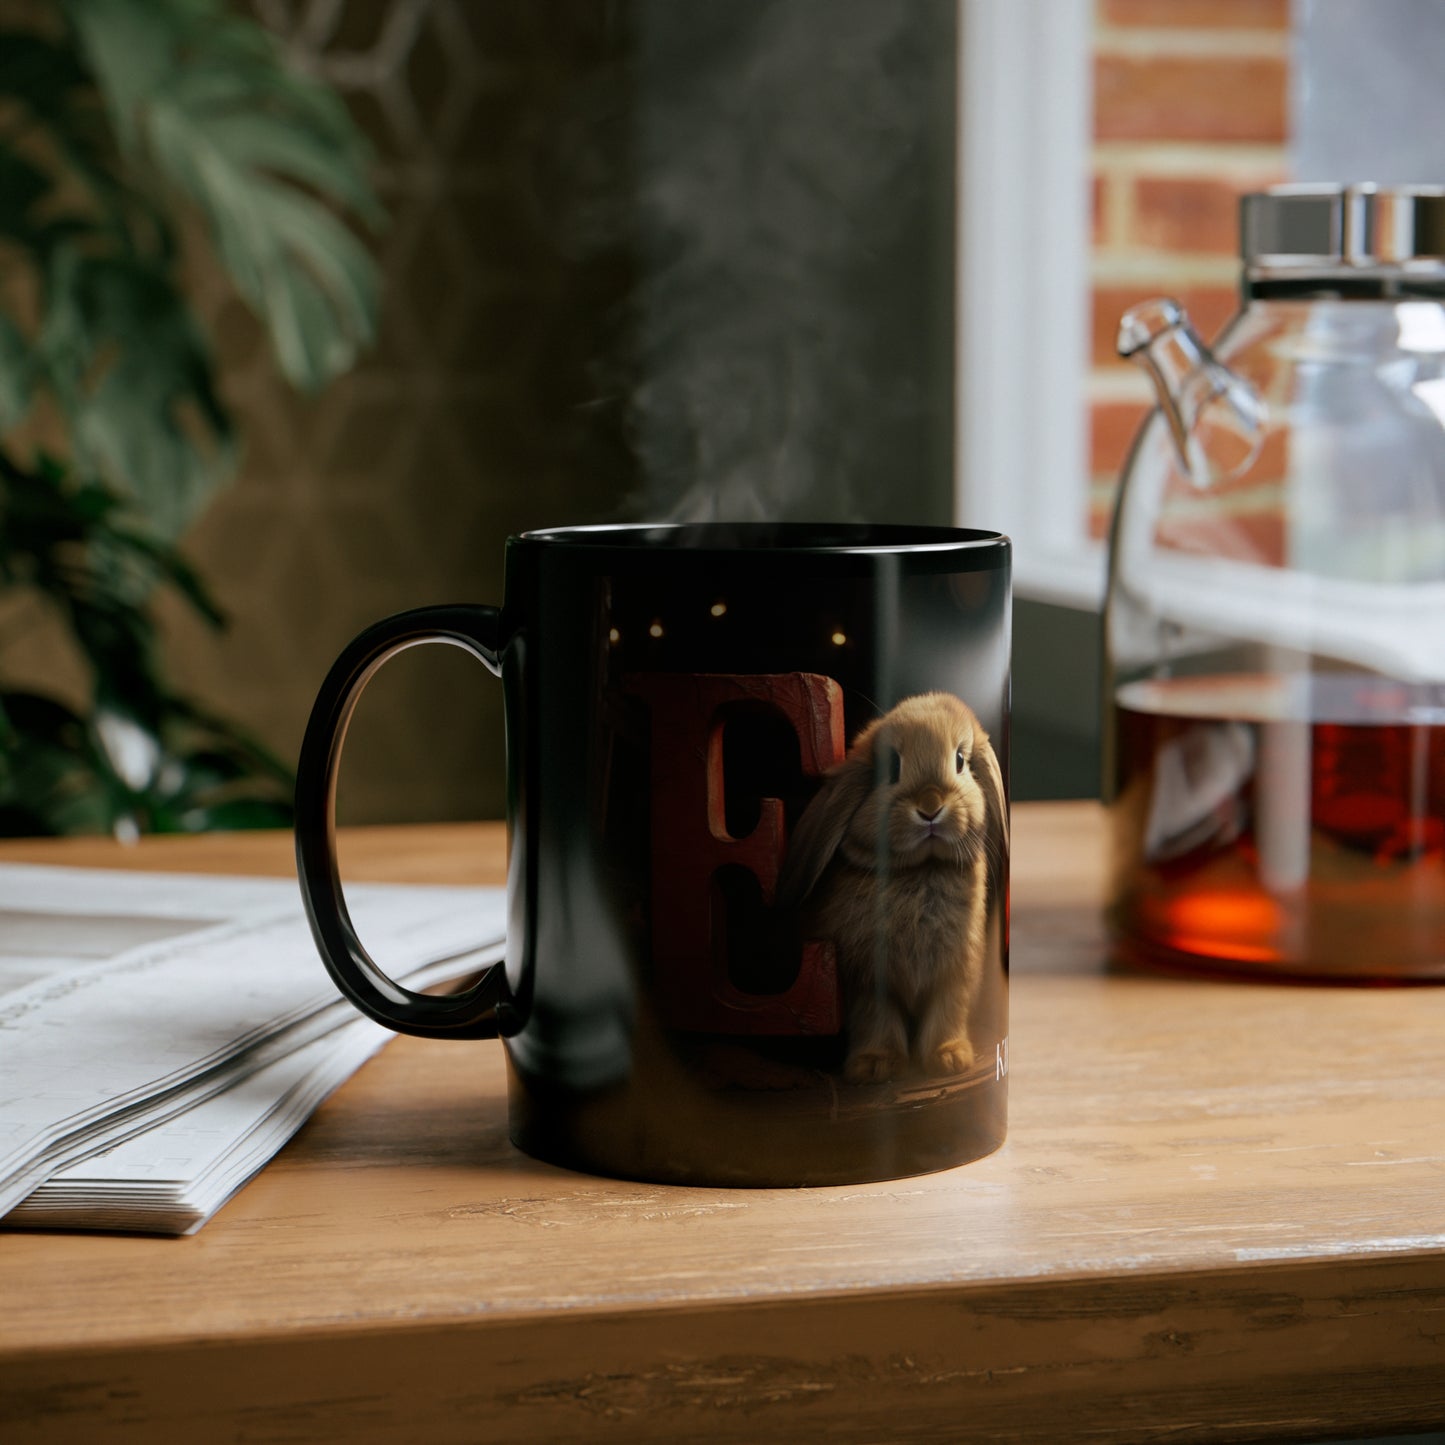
<point x="1025" y="122"/>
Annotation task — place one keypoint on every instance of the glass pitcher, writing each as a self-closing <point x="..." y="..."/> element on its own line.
<point x="1275" y="623"/>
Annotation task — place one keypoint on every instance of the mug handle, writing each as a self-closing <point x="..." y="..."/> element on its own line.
<point x="467" y="1015"/>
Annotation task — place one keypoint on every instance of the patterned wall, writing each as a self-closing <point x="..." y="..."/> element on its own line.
<point x="646" y="257"/>
<point x="477" y="415"/>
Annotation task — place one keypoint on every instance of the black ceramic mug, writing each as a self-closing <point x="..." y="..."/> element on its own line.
<point x="758" y="848"/>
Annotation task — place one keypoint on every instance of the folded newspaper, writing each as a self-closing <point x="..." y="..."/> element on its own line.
<point x="162" y="1034"/>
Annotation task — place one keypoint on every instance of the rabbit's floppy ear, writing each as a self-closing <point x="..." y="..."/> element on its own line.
<point x="825" y="822"/>
<point x="989" y="777"/>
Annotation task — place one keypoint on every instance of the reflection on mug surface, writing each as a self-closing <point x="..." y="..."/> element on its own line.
<point x="806" y="827"/>
<point x="758" y="832"/>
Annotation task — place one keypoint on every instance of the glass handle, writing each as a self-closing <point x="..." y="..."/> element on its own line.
<point x="1216" y="418"/>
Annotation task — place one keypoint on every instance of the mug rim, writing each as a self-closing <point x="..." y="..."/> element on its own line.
<point x="772" y="538"/>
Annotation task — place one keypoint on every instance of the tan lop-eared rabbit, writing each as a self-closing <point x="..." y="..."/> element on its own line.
<point x="890" y="861"/>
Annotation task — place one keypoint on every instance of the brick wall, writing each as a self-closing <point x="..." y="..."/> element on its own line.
<point x="1190" y="111"/>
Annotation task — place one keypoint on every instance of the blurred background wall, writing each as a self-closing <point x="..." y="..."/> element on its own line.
<point x="478" y="414"/>
<point x="675" y="258"/>
<point x="645" y="258"/>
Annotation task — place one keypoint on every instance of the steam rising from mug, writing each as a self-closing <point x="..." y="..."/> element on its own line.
<point x="792" y="183"/>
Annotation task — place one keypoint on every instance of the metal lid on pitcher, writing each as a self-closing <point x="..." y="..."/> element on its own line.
<point x="1331" y="228"/>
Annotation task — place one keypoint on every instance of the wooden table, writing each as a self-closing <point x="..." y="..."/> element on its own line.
<point x="1220" y="1214"/>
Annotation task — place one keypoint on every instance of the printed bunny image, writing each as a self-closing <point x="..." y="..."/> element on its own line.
<point x="890" y="861"/>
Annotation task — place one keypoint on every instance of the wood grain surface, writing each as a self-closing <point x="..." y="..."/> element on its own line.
<point x="1220" y="1214"/>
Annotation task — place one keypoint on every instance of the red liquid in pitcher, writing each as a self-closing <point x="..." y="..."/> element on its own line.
<point x="1281" y="825"/>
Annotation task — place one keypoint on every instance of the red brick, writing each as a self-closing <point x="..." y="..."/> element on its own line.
<point x="1220" y="532"/>
<point x="1175" y="97"/>
<point x="1112" y="427"/>
<point x="1256" y="489"/>
<point x="1101" y="516"/>
<point x="1209" y="307"/>
<point x="1198" y="14"/>
<point x="1270" y="467"/>
<point x="1097" y="201"/>
<point x="1187" y="213"/>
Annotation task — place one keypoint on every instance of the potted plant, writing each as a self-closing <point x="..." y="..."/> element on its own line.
<point x="121" y="123"/>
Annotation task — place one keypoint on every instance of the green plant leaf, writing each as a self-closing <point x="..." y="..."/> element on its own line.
<point x="51" y="784"/>
<point x="21" y="186"/>
<point x="170" y="566"/>
<point x="129" y="47"/>
<point x="219" y="733"/>
<point x="52" y="90"/>
<point x="264" y="152"/>
<point x="233" y="814"/>
<point x="73" y="545"/>
<point x="39" y="73"/>
<point x="136" y="104"/>
<point x="63" y="773"/>
<point x="17" y="375"/>
<point x="133" y="375"/>
<point x="310" y="280"/>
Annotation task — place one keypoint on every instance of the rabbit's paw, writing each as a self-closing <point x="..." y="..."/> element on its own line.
<point x="953" y="1057"/>
<point x="872" y="1066"/>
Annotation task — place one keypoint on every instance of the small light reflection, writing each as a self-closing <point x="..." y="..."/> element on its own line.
<point x="614" y="637"/>
<point x="840" y="639"/>
<point x="655" y="630"/>
<point x="1432" y="393"/>
<point x="1422" y="328"/>
<point x="719" y="609"/>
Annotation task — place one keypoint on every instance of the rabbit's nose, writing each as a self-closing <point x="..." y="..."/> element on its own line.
<point x="929" y="804"/>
